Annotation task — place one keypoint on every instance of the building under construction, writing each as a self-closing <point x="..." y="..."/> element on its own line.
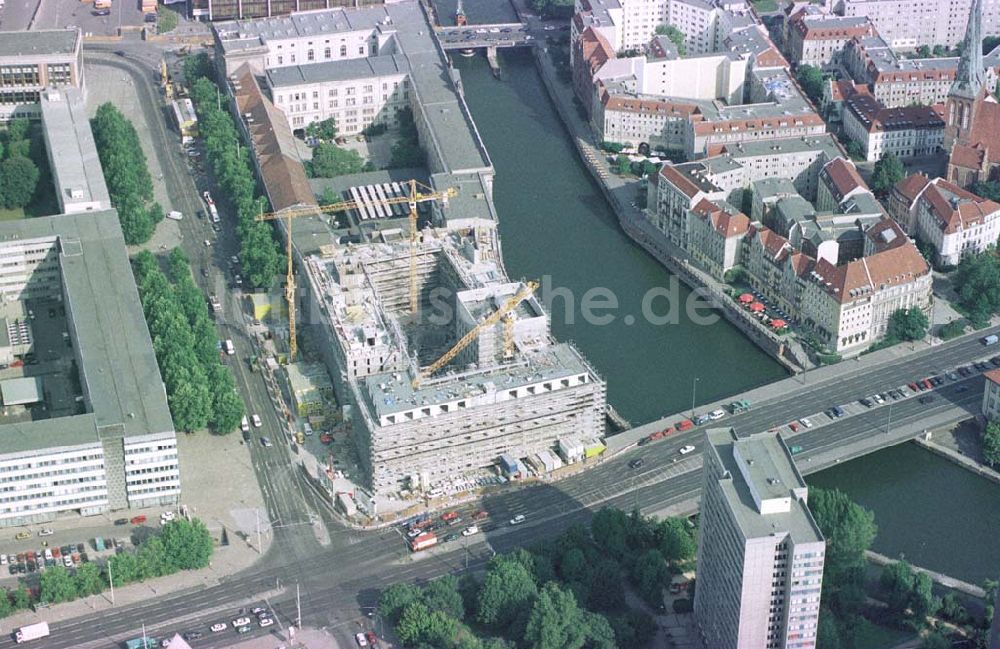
<point x="443" y="363"/>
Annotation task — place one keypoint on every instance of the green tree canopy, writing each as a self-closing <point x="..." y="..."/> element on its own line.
<point x="849" y="528"/>
<point x="649" y="573"/>
<point x="325" y="129"/>
<point x="89" y="580"/>
<point x="811" y="80"/>
<point x="888" y="171"/>
<point x="506" y="591"/>
<point x="18" y="180"/>
<point x="57" y="585"/>
<point x="674" y="540"/>
<point x="991" y="444"/>
<point x="442" y="594"/>
<point x="907" y="324"/>
<point x="419" y="626"/>
<point x="555" y="622"/>
<point x="977" y="282"/>
<point x="187" y="544"/>
<point x="330" y="161"/>
<point x="675" y="35"/>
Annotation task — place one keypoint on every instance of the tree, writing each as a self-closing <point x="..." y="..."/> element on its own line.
<point x="89" y="580"/>
<point x="166" y="20"/>
<point x="675" y="35"/>
<point x="855" y="150"/>
<point x="939" y="50"/>
<point x="57" y="585"/>
<point x="907" y="324"/>
<point x="18" y="180"/>
<point x="977" y="282"/>
<point x="674" y="540"/>
<point x="18" y="129"/>
<point x="420" y="626"/>
<point x="888" y="171"/>
<point x="934" y="640"/>
<point x="187" y="544"/>
<point x="330" y="161"/>
<point x="827" y="634"/>
<point x="924" y="51"/>
<point x="323" y="130"/>
<point x="849" y="528"/>
<point x="991" y="444"/>
<point x="442" y="595"/>
<point x="506" y="591"/>
<point x="623" y="166"/>
<point x="21" y="598"/>
<point x="573" y="565"/>
<point x="951" y="609"/>
<point x="648" y="574"/>
<point x="634" y="628"/>
<point x="606" y="590"/>
<point x="600" y="634"/>
<point x="897" y="580"/>
<point x="555" y="622"/>
<point x="197" y="66"/>
<point x="397" y="597"/>
<point x="609" y="528"/>
<point x="922" y="600"/>
<point x="811" y="80"/>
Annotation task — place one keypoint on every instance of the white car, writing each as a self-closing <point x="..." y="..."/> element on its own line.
<point x="245" y="424"/>
<point x="45" y="531"/>
<point x="208" y="198"/>
<point x="218" y="627"/>
<point x="470" y="530"/>
<point x="166" y="517"/>
<point x="687" y="449"/>
<point x="3" y="559"/>
<point x="360" y="639"/>
<point x="717" y="414"/>
<point x="67" y="561"/>
<point x="805" y="422"/>
<point x="240" y="621"/>
<point x="517" y="520"/>
<point x="257" y="423"/>
<point x="265" y="621"/>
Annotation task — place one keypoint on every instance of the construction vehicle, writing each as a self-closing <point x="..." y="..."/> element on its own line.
<point x="165" y="83"/>
<point x="419" y="193"/>
<point x="506" y="308"/>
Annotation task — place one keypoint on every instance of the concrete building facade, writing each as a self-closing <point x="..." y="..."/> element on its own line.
<point x="760" y="553"/>
<point x="927" y="22"/>
<point x="991" y="395"/>
<point x="35" y="60"/>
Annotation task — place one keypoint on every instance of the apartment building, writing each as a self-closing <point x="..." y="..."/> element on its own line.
<point x="356" y="93"/>
<point x="113" y="446"/>
<point x="35" y="60"/>
<point x="636" y="120"/>
<point x="715" y="233"/>
<point x="819" y="40"/>
<point x="760" y="552"/>
<point x="905" y="132"/>
<point x="991" y="410"/>
<point x="897" y="81"/>
<point x="953" y="220"/>
<point x="927" y="22"/>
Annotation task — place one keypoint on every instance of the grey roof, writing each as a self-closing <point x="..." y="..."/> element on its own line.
<point x="121" y="380"/>
<point x="769" y="467"/>
<point x="23" y="390"/>
<point x="771" y="187"/>
<point x="39" y="43"/>
<point x="366" y="68"/>
<point x="49" y="434"/>
<point x="76" y="165"/>
<point x="824" y="143"/>
<point x="251" y="33"/>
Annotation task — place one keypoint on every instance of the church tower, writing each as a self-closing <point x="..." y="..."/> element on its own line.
<point x="967" y="88"/>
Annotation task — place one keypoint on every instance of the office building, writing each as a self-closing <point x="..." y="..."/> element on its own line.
<point x="760" y="553"/>
<point x="69" y="143"/>
<point x="34" y="60"/>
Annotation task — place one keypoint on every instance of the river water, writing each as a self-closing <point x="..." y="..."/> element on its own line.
<point x="555" y="222"/>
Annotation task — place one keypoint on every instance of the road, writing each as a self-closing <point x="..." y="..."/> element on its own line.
<point x="337" y="581"/>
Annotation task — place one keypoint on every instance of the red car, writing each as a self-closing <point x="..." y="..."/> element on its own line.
<point x="480" y="515"/>
<point x="372" y="639"/>
<point x="138" y="520"/>
<point x="685" y="424"/>
<point x="912" y="386"/>
<point x="794" y="426"/>
<point x="449" y="516"/>
<point x="326" y="438"/>
<point x="927" y="384"/>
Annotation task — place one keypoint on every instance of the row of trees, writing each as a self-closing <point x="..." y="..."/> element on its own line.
<point x="18" y="172"/>
<point x="991" y="444"/>
<point x="178" y="545"/>
<point x="568" y="593"/>
<point x="201" y="390"/>
<point x="126" y="174"/>
<point x="810" y="78"/>
<point x="260" y="257"/>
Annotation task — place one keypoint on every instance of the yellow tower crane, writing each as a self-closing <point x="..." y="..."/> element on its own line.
<point x="506" y="308"/>
<point x="419" y="193"/>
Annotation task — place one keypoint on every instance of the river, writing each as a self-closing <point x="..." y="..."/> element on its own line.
<point x="554" y="221"/>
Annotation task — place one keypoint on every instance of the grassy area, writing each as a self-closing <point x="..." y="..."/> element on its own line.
<point x="872" y="636"/>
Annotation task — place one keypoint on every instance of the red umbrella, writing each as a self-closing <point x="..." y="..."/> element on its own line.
<point x="778" y="323"/>
<point x="757" y="307"/>
<point x="746" y="298"/>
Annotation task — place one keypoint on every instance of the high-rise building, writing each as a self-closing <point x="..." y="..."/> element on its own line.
<point x="760" y="555"/>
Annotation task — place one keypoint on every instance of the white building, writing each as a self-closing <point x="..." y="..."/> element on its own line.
<point x="907" y="24"/>
<point x="991" y="397"/>
<point x="115" y="444"/>
<point x="905" y="132"/>
<point x="819" y="40"/>
<point x="73" y="159"/>
<point x="954" y="221"/>
<point x="761" y="553"/>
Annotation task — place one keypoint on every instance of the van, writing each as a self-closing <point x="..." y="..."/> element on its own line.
<point x="257" y="423"/>
<point x="245" y="424"/>
<point x="230" y="350"/>
<point x="307" y="429"/>
<point x="990" y="340"/>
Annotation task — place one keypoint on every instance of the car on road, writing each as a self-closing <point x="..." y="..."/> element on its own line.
<point x="138" y="520"/>
<point x="372" y="639"/>
<point x="517" y="520"/>
<point x="451" y="537"/>
<point x="795" y="450"/>
<point x="265" y="622"/>
<point x="805" y="422"/>
<point x="927" y="398"/>
<point x="636" y="463"/>
<point x="549" y="28"/>
<point x="686" y="449"/>
<point x="265" y="442"/>
<point x="360" y="639"/>
<point x="245" y="424"/>
<point x="257" y="423"/>
<point x="218" y="627"/>
<point x="716" y="414"/>
<point x="241" y="621"/>
<point x="193" y="635"/>
<point x="702" y="419"/>
<point x="470" y="530"/>
<point x="22" y="535"/>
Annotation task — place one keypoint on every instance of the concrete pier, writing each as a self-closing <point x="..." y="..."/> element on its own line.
<point x="491" y="56"/>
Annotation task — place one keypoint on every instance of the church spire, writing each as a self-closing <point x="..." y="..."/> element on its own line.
<point x="971" y="73"/>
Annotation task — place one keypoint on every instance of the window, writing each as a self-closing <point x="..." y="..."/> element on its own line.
<point x="343" y="50"/>
<point x="310" y="56"/>
<point x="326" y="53"/>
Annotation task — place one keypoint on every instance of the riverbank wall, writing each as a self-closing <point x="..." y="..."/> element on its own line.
<point x="784" y="350"/>
<point x="937" y="577"/>
<point x="959" y="459"/>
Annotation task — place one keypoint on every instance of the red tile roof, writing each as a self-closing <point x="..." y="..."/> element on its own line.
<point x="993" y="375"/>
<point x="954" y="208"/>
<point x="725" y="223"/>
<point x="679" y="180"/>
<point x="843" y="178"/>
<point x="911" y="186"/>
<point x="865" y="276"/>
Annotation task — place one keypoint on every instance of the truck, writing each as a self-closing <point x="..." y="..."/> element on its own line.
<point x="175" y="215"/>
<point x="32" y="632"/>
<point x="214" y="212"/>
<point x="423" y="541"/>
<point x="990" y="340"/>
<point x="214" y="302"/>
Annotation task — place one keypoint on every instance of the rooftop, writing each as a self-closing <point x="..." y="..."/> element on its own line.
<point x="761" y="465"/>
<point x="77" y="167"/>
<point x="250" y="33"/>
<point x="39" y="42"/>
<point x="346" y="70"/>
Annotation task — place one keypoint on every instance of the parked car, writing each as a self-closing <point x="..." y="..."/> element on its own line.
<point x="517" y="520"/>
<point x="45" y="531"/>
<point x="218" y="627"/>
<point x="22" y="535"/>
<point x="470" y="530"/>
<point x="805" y="422"/>
<point x="360" y="639"/>
<point x="138" y="520"/>
<point x="687" y="449"/>
<point x="372" y="639"/>
<point x="636" y="463"/>
<point x="265" y="622"/>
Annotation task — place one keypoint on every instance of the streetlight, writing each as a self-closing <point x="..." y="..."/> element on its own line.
<point x="694" y="391"/>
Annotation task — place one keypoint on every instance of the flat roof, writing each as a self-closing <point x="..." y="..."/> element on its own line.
<point x="821" y="142"/>
<point x="20" y="391"/>
<point x="767" y="464"/>
<point x="39" y="42"/>
<point x="366" y="68"/>
<point x="118" y="370"/>
<point x="73" y="152"/>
